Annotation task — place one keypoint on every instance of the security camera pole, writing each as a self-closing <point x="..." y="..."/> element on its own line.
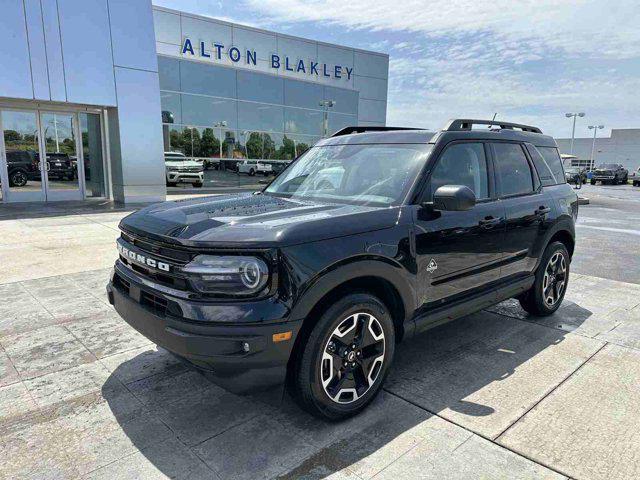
<point x="595" y="129"/>
<point x="573" y="131"/>
<point x="326" y="105"/>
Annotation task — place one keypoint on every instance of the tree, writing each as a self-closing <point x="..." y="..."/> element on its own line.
<point x="288" y="149"/>
<point x="254" y="145"/>
<point x="270" y="147"/>
<point x="210" y="144"/>
<point x="12" y="136"/>
<point x="175" y="140"/>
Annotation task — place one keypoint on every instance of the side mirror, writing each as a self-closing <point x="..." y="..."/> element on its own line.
<point x="454" y="198"/>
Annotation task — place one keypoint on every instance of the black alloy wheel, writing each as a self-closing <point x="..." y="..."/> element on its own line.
<point x="18" y="179"/>
<point x="345" y="358"/>
<point x="551" y="281"/>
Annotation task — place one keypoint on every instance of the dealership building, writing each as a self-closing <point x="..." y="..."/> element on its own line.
<point x="622" y="146"/>
<point x="101" y="88"/>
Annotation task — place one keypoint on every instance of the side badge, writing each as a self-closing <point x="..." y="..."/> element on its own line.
<point x="432" y="267"/>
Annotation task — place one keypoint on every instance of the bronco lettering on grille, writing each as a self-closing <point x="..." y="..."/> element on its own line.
<point x="142" y="259"/>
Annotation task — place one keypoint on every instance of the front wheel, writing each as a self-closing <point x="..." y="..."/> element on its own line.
<point x="18" y="179"/>
<point x="550" y="285"/>
<point x="593" y="182"/>
<point x="345" y="359"/>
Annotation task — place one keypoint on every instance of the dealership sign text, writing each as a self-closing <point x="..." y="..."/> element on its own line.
<point x="277" y="62"/>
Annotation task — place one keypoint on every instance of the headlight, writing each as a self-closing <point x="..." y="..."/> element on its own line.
<point x="230" y="275"/>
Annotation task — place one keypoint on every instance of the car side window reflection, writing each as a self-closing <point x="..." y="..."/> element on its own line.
<point x="462" y="164"/>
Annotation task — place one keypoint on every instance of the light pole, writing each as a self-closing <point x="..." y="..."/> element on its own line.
<point x="595" y="129"/>
<point x="573" y="130"/>
<point x="326" y="105"/>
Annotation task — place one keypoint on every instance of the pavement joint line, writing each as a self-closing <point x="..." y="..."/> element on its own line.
<point x="52" y="276"/>
<point x="520" y="454"/>
<point x="553" y="389"/>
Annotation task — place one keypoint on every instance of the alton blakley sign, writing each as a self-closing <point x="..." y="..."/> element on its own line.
<point x="277" y="62"/>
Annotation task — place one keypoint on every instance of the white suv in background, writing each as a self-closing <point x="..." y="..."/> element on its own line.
<point x="180" y="169"/>
<point x="251" y="167"/>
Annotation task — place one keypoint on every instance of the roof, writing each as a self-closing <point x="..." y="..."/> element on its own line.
<point x="457" y="129"/>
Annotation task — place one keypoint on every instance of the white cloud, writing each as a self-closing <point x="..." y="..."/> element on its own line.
<point x="603" y="28"/>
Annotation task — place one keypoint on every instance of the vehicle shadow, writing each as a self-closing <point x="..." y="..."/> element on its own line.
<point x="481" y="373"/>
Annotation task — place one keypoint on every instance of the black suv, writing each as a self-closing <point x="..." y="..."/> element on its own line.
<point x="373" y="235"/>
<point x="612" y="173"/>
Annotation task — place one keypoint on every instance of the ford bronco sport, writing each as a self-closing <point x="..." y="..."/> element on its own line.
<point x="372" y="236"/>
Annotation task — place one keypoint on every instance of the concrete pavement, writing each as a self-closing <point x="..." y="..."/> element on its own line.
<point x="498" y="394"/>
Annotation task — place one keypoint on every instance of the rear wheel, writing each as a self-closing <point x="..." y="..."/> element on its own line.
<point x="346" y="357"/>
<point x="552" y="278"/>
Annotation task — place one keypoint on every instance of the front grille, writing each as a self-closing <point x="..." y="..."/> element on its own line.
<point x="121" y="284"/>
<point x="175" y="257"/>
<point x="156" y="304"/>
<point x="158" y="249"/>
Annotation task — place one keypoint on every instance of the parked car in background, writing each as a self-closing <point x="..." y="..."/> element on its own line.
<point x="251" y="167"/>
<point x="576" y="175"/>
<point x="211" y="163"/>
<point x="60" y="166"/>
<point x="612" y="173"/>
<point x="635" y="178"/>
<point x="180" y="169"/>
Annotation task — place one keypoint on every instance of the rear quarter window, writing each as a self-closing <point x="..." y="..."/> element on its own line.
<point x="548" y="164"/>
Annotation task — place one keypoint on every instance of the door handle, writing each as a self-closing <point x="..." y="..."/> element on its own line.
<point x="489" y="222"/>
<point x="542" y="210"/>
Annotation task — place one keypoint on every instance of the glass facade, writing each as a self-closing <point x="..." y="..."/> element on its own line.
<point x="210" y="111"/>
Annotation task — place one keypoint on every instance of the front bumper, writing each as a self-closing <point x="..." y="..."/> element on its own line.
<point x="185" y="177"/>
<point x="232" y="342"/>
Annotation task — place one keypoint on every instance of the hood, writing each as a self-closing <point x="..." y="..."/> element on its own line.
<point x="255" y="220"/>
<point x="182" y="163"/>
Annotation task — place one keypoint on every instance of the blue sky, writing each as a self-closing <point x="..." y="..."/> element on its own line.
<point x="529" y="61"/>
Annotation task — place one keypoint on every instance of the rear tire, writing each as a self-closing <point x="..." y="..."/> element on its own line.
<point x="346" y="357"/>
<point x="551" y="281"/>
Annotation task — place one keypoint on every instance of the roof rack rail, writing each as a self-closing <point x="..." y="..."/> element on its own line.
<point x="459" y="124"/>
<point x="364" y="129"/>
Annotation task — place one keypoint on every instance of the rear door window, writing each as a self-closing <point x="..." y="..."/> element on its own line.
<point x="552" y="164"/>
<point x="513" y="169"/>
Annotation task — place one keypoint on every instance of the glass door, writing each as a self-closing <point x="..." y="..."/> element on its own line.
<point x="63" y="169"/>
<point x="20" y="168"/>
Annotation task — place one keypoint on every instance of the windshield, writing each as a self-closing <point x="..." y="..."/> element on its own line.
<point x="608" y="166"/>
<point x="378" y="174"/>
<point x="573" y="170"/>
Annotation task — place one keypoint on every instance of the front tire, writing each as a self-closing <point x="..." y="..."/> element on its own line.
<point x="346" y="357"/>
<point x="18" y="178"/>
<point x="550" y="285"/>
<point x="593" y="182"/>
